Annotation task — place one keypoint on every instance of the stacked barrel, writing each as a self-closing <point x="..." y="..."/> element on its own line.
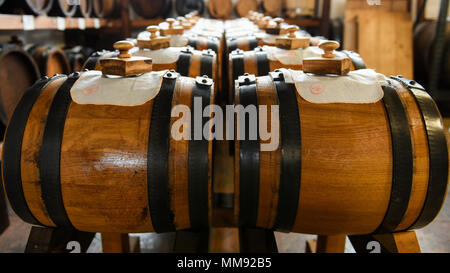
<point x="108" y="159"/>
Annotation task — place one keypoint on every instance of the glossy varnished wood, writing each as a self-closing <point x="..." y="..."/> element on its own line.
<point x="31" y="144"/>
<point x="346" y="167"/>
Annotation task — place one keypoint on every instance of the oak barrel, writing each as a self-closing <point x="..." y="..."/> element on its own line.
<point x="18" y="71"/>
<point x="243" y="7"/>
<point x="107" y="168"/>
<point x="220" y="9"/>
<point x="4" y="218"/>
<point x="85" y="8"/>
<point x="184" y="7"/>
<point x="424" y="39"/>
<point x="106" y="8"/>
<point x="77" y="56"/>
<point x="150" y="8"/>
<point x="63" y="8"/>
<point x="272" y="7"/>
<point x="342" y="168"/>
<point x="37" y="7"/>
<point x="51" y="60"/>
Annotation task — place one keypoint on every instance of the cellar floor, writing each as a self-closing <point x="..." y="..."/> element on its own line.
<point x="434" y="238"/>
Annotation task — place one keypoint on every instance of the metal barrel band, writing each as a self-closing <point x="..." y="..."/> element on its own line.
<point x="291" y="155"/>
<point x="402" y="158"/>
<point x="198" y="158"/>
<point x="184" y="63"/>
<point x="158" y="157"/>
<point x="12" y="150"/>
<point x="248" y="161"/>
<point x="50" y="154"/>
<point x="438" y="153"/>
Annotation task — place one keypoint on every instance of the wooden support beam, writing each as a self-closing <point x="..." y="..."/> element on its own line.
<point x="400" y="242"/>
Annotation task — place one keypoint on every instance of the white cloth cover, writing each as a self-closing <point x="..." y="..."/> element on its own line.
<point x="94" y="88"/>
<point x="360" y="86"/>
<point x="160" y="56"/>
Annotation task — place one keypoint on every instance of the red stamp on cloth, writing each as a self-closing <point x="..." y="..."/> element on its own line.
<point x="317" y="88"/>
<point x="90" y="90"/>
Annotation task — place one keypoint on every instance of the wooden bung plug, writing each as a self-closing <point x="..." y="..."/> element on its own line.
<point x="172" y="29"/>
<point x="275" y="27"/>
<point x="291" y="41"/>
<point x="184" y="23"/>
<point x="155" y="41"/>
<point x="329" y="63"/>
<point x="125" y="64"/>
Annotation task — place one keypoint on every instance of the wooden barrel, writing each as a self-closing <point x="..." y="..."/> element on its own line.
<point x="85" y="8"/>
<point x="106" y="8"/>
<point x="4" y="218"/>
<point x="51" y="60"/>
<point x="211" y="43"/>
<point x="295" y="8"/>
<point x="184" y="7"/>
<point x="272" y="7"/>
<point x="62" y="8"/>
<point x="424" y="38"/>
<point x="106" y="168"/>
<point x="243" y="7"/>
<point x="18" y="71"/>
<point x="220" y="9"/>
<point x="342" y="168"/>
<point x="37" y="7"/>
<point x="150" y="9"/>
<point x="77" y="56"/>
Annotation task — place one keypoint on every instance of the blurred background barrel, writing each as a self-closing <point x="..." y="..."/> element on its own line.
<point x="106" y="8"/>
<point x="77" y="56"/>
<point x="151" y="8"/>
<point x="37" y="7"/>
<point x="184" y="7"/>
<point x="62" y="8"/>
<point x="220" y="9"/>
<point x="85" y="8"/>
<point x="243" y="7"/>
<point x="272" y="7"/>
<point x="51" y="60"/>
<point x="18" y="71"/>
<point x="424" y="38"/>
<point x="4" y="219"/>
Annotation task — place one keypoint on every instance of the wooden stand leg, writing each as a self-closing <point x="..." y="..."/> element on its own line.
<point x="120" y="243"/>
<point x="326" y="244"/>
<point x="57" y="240"/>
<point x="188" y="241"/>
<point x="400" y="242"/>
<point x="254" y="240"/>
<point x="224" y="240"/>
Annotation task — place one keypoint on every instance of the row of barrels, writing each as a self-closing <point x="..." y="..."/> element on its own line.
<point x="98" y="8"/>
<point x="21" y="66"/>
<point x="220" y="9"/>
<point x="340" y="168"/>
<point x="81" y="8"/>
